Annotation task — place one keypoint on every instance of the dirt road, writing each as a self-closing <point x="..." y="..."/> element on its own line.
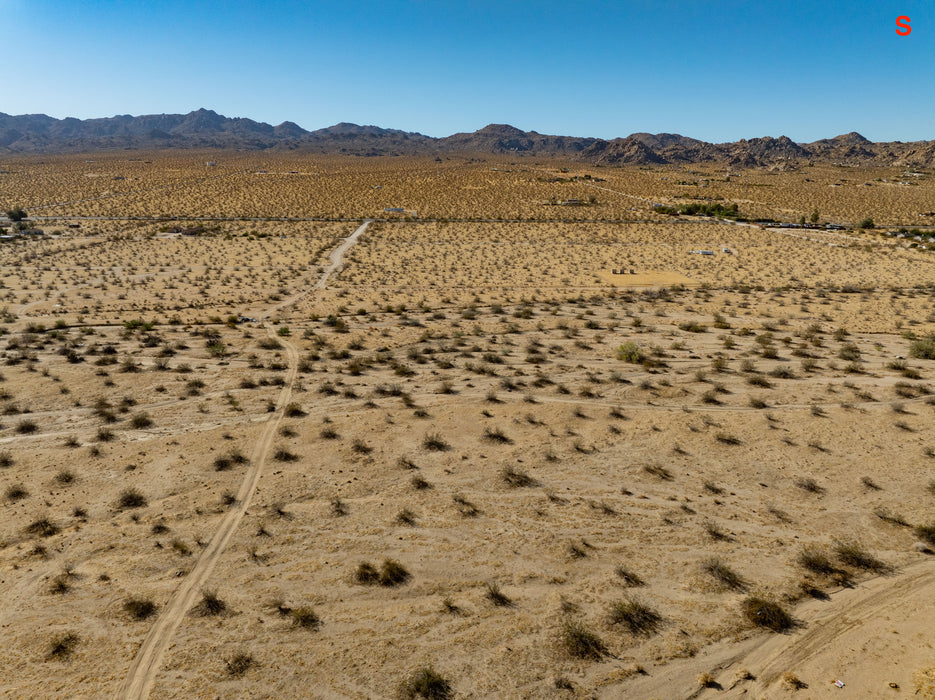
<point x="145" y="666"/>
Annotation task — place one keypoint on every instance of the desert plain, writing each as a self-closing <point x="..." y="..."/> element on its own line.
<point x="263" y="438"/>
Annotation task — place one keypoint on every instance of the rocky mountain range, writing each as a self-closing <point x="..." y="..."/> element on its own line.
<point x="206" y="129"/>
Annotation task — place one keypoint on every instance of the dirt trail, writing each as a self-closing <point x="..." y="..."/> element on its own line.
<point x="337" y="259"/>
<point x="145" y="666"/>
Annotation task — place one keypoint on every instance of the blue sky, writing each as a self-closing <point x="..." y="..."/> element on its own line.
<point x="717" y="71"/>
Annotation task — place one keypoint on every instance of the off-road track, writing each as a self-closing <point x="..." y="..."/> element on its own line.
<point x="835" y="639"/>
<point x="142" y="672"/>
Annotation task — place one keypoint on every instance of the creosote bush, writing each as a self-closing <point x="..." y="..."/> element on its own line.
<point x="634" y="615"/>
<point x="426" y="683"/>
<point x="723" y="574"/>
<point x="139" y="608"/>
<point x="131" y="498"/>
<point x="391" y="573"/>
<point x="305" y="617"/>
<point x="63" y="646"/>
<point x="580" y="642"/>
<point x="239" y="664"/>
<point x="630" y="352"/>
<point x="211" y="605"/>
<point x="766" y="613"/>
<point x="435" y="443"/>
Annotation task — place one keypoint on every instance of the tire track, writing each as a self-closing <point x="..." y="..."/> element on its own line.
<point x="769" y="656"/>
<point x="144" y="668"/>
<point x="148" y="661"/>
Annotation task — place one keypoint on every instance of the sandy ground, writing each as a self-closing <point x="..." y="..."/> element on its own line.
<point x="455" y="397"/>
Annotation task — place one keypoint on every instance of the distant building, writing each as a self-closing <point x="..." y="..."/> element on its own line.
<point x="394" y="209"/>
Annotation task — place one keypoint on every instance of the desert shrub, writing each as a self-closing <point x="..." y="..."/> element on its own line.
<point x="497" y="597"/>
<point x="926" y="532"/>
<point x="516" y="478"/>
<point x="391" y="573"/>
<point x="852" y="553"/>
<point x="63" y="646"/>
<point x="766" y="613"/>
<point x="496" y="435"/>
<point x="131" y="498"/>
<point x="210" y="605"/>
<point x="723" y="574"/>
<point x="426" y="683"/>
<point x="727" y="438"/>
<point x="809" y="484"/>
<point x="366" y="574"/>
<point x="305" y="617"/>
<point x="139" y="608"/>
<point x="580" y="642"/>
<point x="406" y="517"/>
<point x="435" y="442"/>
<point x="42" y="527"/>
<point x="630" y="352"/>
<point x="26" y="427"/>
<point x="714" y="531"/>
<point x="816" y="560"/>
<point x="849" y="352"/>
<point x="16" y="492"/>
<point x="465" y="507"/>
<point x="634" y="615"/>
<point x="60" y="585"/>
<point x="923" y="349"/>
<point x="141" y="420"/>
<point x="419" y="483"/>
<point x="782" y="372"/>
<point x="294" y="410"/>
<point x="692" y="327"/>
<point x="239" y="664"/>
<point x="658" y="471"/>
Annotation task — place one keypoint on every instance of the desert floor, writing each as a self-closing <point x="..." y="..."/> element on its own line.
<point x="314" y="458"/>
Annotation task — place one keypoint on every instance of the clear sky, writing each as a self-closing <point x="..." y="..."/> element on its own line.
<point x="718" y="71"/>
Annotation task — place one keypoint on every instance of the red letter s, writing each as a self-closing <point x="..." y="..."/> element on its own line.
<point x="902" y="22"/>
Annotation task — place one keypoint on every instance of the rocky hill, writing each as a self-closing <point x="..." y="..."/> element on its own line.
<point x="38" y="133"/>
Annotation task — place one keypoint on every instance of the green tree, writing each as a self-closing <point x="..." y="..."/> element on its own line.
<point x="16" y="214"/>
<point x="866" y="223"/>
<point x="814" y="218"/>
